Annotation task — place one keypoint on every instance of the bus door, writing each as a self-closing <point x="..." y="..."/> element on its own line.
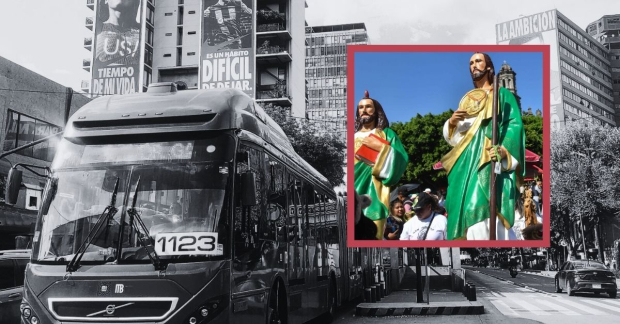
<point x="296" y="271"/>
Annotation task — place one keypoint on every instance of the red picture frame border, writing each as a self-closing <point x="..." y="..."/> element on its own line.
<point x="353" y="49"/>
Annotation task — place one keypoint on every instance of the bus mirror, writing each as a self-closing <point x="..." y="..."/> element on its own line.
<point x="49" y="196"/>
<point x="248" y="189"/>
<point x="14" y="183"/>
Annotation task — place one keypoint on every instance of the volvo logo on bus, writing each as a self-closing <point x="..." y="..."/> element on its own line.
<point x="110" y="309"/>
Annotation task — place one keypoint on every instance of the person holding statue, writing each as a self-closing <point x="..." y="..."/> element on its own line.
<point x="468" y="164"/>
<point x="380" y="159"/>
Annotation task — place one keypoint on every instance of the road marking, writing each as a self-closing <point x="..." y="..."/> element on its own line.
<point x="529" y="307"/>
<point x="495" y="294"/>
<point x="557" y="307"/>
<point x="580" y="307"/>
<point x="503" y="308"/>
<point x="602" y="305"/>
<point x="611" y="301"/>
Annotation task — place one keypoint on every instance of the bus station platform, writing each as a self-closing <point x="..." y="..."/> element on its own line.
<point x="403" y="302"/>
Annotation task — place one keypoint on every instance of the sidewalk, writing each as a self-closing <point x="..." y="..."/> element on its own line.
<point x="403" y="302"/>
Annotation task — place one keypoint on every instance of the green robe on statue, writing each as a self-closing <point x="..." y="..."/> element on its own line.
<point x="376" y="181"/>
<point x="468" y="165"/>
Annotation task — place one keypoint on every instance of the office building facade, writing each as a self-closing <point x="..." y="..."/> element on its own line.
<point x="326" y="72"/>
<point x="581" y="81"/>
<point x="254" y="45"/>
<point x="607" y="32"/>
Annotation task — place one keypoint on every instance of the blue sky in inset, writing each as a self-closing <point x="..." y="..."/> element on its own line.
<point x="408" y="83"/>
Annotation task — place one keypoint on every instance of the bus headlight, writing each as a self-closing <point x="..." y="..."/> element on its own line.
<point x="204" y="312"/>
<point x="34" y="320"/>
<point x="26" y="312"/>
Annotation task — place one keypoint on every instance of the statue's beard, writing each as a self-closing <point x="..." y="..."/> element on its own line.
<point x="367" y="119"/>
<point x="478" y="75"/>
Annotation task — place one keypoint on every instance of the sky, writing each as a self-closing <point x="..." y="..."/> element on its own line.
<point x="47" y="36"/>
<point x="408" y="83"/>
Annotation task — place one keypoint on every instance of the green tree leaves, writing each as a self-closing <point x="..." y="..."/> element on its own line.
<point x="315" y="144"/>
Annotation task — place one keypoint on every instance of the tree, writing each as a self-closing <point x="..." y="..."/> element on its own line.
<point x="421" y="137"/>
<point x="320" y="148"/>
<point x="533" y="128"/>
<point x="584" y="182"/>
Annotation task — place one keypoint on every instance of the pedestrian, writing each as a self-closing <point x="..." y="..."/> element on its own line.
<point x="427" y="224"/>
<point x="395" y="222"/>
<point x="408" y="204"/>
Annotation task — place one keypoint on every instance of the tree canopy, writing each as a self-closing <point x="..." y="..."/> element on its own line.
<point x="319" y="147"/>
<point x="584" y="173"/>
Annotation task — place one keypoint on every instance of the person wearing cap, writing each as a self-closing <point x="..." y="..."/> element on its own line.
<point x="374" y="178"/>
<point x="427" y="223"/>
<point x="427" y="190"/>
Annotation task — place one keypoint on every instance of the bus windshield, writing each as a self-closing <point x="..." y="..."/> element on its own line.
<point x="181" y="201"/>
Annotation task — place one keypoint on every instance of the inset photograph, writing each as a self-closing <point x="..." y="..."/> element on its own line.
<point x="448" y="146"/>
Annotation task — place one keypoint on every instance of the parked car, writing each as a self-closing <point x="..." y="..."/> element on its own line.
<point x="585" y="276"/>
<point x="12" y="267"/>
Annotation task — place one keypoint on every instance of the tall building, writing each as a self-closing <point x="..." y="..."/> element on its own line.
<point x="581" y="81"/>
<point x="607" y="32"/>
<point x="326" y="72"/>
<point x="254" y="45"/>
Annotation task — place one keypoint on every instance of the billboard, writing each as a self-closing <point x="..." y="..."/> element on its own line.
<point x="540" y="28"/>
<point x="228" y="49"/>
<point x="117" y="54"/>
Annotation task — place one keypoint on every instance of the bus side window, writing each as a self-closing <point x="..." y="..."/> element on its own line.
<point x="276" y="201"/>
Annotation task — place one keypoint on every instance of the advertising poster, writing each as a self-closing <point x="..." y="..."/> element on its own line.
<point x="227" y="52"/>
<point x="116" y="51"/>
<point x="540" y="28"/>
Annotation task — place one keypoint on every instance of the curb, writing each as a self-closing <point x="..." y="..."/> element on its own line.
<point x="401" y="309"/>
<point x="517" y="284"/>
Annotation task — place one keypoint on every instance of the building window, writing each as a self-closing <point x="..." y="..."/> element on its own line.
<point x="191" y="33"/>
<point x="22" y="130"/>
<point x="168" y="14"/>
<point x="167" y="55"/>
<point x="168" y="34"/>
<point x="191" y="12"/>
<point x="191" y="53"/>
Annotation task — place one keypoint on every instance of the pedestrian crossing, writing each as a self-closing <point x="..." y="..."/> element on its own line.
<point x="535" y="305"/>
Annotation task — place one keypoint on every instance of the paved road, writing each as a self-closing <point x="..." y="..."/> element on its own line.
<point x="540" y="302"/>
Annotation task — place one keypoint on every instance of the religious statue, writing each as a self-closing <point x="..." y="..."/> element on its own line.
<point x="468" y="164"/>
<point x="380" y="159"/>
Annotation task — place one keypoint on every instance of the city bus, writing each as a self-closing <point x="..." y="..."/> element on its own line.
<point x="186" y="207"/>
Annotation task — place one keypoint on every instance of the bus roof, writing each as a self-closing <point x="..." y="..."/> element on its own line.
<point x="164" y="109"/>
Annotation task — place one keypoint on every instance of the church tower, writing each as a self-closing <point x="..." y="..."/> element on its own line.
<point x="508" y="79"/>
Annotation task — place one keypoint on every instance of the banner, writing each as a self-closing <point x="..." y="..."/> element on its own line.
<point x="540" y="28"/>
<point x="228" y="50"/>
<point x="116" y="49"/>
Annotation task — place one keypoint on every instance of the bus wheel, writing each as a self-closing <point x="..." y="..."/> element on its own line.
<point x="331" y="302"/>
<point x="274" y="315"/>
<point x="277" y="305"/>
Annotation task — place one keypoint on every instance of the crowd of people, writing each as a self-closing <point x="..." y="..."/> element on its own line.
<point x="423" y="216"/>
